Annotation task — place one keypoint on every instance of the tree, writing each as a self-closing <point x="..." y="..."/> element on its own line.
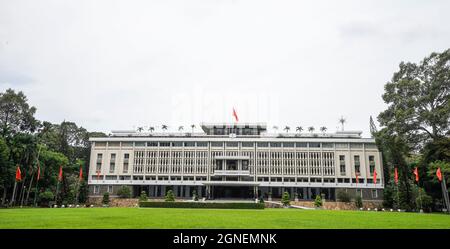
<point x="311" y="129"/>
<point x="192" y="127"/>
<point x="358" y="201"/>
<point x="343" y="196"/>
<point x="180" y="128"/>
<point x="170" y="196"/>
<point x="140" y="129"/>
<point x="143" y="196"/>
<point x="323" y="129"/>
<point x="45" y="198"/>
<point x="287" y="129"/>
<point x="418" y="100"/>
<point x="318" y="201"/>
<point x="105" y="199"/>
<point x="151" y="129"/>
<point x="15" y="113"/>
<point x="194" y="194"/>
<point x="299" y="129"/>
<point x="124" y="192"/>
<point x="164" y="127"/>
<point x="6" y="170"/>
<point x="286" y="199"/>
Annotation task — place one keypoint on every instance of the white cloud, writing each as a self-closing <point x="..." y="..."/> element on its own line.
<point x="118" y="64"/>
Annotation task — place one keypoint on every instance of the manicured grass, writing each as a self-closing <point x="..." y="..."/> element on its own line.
<point x="214" y="218"/>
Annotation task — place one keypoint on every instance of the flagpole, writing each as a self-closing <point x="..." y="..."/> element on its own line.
<point x="445" y="193"/>
<point x="12" y="202"/>
<point x="35" y="193"/>
<point x="78" y="192"/>
<point x="56" y="195"/>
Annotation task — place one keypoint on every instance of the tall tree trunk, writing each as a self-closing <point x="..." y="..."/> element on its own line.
<point x="4" y="195"/>
<point x="29" y="187"/>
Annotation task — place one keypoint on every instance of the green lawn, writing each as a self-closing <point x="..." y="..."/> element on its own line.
<point x="214" y="218"/>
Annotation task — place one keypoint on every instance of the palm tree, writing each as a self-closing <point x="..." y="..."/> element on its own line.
<point x="193" y="127"/>
<point x="311" y="129"/>
<point x="140" y="129"/>
<point x="151" y="129"/>
<point x="299" y="129"/>
<point x="342" y="121"/>
<point x="323" y="129"/>
<point x="287" y="128"/>
<point x="275" y="127"/>
<point x="180" y="128"/>
<point x="164" y="127"/>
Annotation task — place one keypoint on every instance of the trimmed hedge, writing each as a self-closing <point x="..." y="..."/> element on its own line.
<point x="215" y="205"/>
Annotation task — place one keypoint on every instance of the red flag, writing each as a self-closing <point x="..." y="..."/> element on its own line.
<point x="439" y="174"/>
<point x="60" y="173"/>
<point x="375" y="176"/>
<point x="80" y="177"/>
<point x="357" y="179"/>
<point x="18" y="174"/>
<point x="38" y="173"/>
<point x="235" y="115"/>
<point x="416" y="173"/>
<point x="396" y="176"/>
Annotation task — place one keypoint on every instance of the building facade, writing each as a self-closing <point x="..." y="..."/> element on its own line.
<point x="236" y="161"/>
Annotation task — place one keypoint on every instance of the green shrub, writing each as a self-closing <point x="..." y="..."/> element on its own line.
<point x="358" y="201"/>
<point x="318" y="201"/>
<point x="261" y="200"/>
<point x="143" y="196"/>
<point x="46" y="197"/>
<point x="105" y="200"/>
<point x="215" y="205"/>
<point x="194" y="194"/>
<point x="343" y="196"/>
<point x="286" y="199"/>
<point x="124" y="192"/>
<point x="170" y="196"/>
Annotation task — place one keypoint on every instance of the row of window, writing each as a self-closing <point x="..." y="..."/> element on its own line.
<point x="238" y="144"/>
<point x="308" y="163"/>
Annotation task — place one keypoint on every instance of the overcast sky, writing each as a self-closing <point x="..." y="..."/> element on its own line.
<point x="116" y="65"/>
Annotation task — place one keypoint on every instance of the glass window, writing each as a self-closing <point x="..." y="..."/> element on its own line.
<point x="164" y="144"/>
<point x="357" y="165"/>
<point x="247" y="144"/>
<point x="327" y="145"/>
<point x="216" y="144"/>
<point x="314" y="145"/>
<point x="112" y="163"/>
<point x="275" y="144"/>
<point x="263" y="144"/>
<point x="232" y="144"/>
<point x="288" y="144"/>
<point x="96" y="189"/>
<point x="139" y="144"/>
<point x="342" y="164"/>
<point x="110" y="189"/>
<point x="189" y="144"/>
<point x="113" y="144"/>
<point x="152" y="144"/>
<point x="127" y="144"/>
<point x="301" y="145"/>
<point x="202" y="144"/>
<point x="371" y="164"/>
<point x="178" y="144"/>
<point x="244" y="165"/>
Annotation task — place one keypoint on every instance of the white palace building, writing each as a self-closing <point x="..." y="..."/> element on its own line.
<point x="236" y="161"/>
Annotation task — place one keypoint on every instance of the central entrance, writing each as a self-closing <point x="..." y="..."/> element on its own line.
<point x="232" y="192"/>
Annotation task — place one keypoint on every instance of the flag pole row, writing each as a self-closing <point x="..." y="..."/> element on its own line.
<point x="18" y="178"/>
